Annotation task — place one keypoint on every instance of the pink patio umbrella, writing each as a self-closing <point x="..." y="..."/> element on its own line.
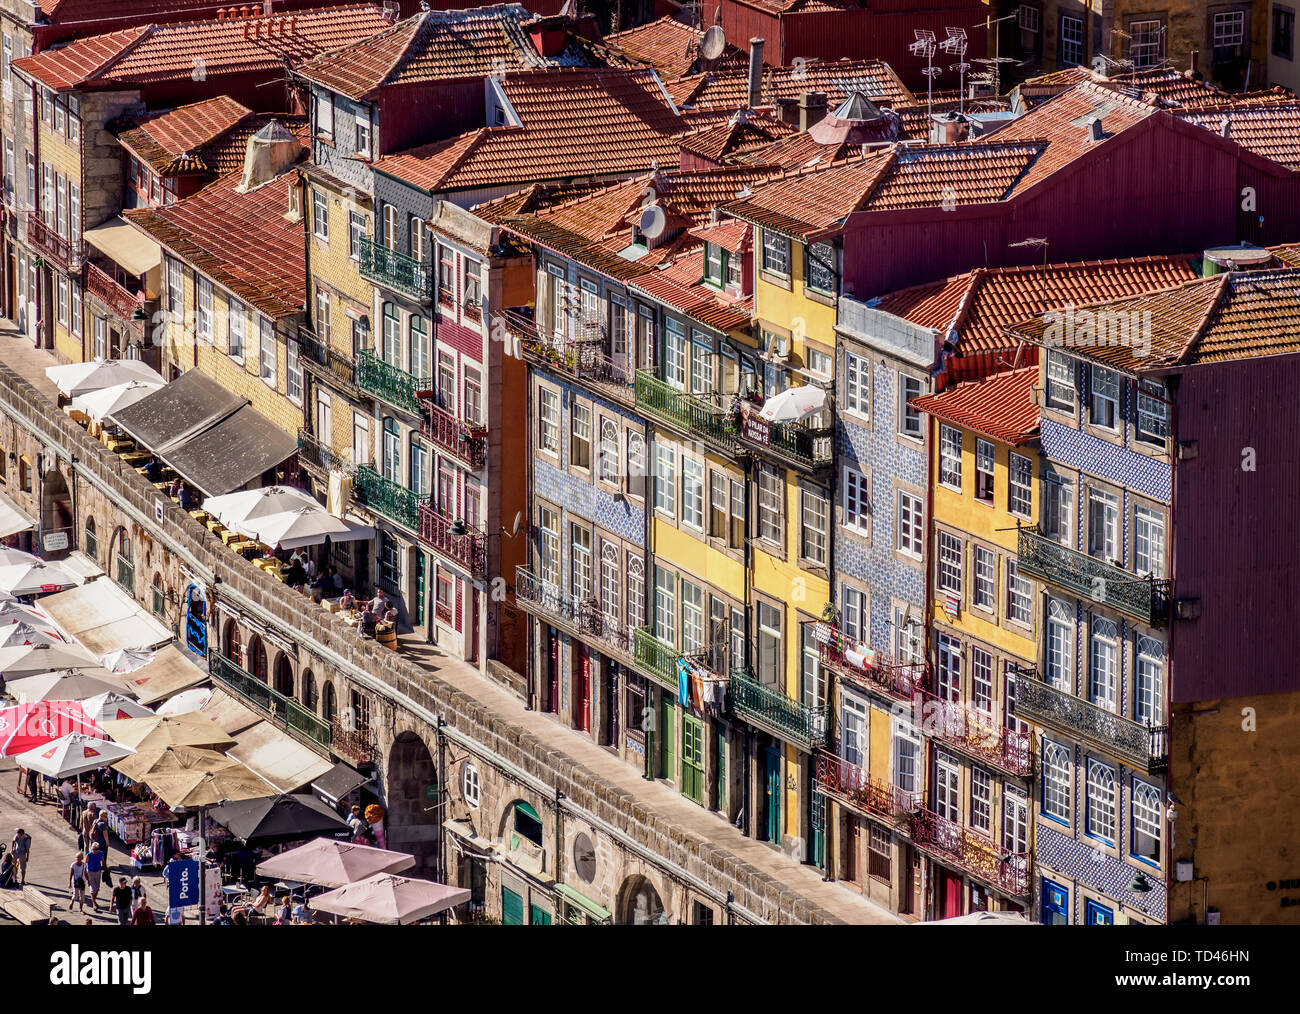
<point x="389" y="899"/>
<point x="326" y="862"/>
<point x="28" y="726"/>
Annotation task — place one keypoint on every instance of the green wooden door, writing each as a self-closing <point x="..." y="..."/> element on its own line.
<point x="721" y="769"/>
<point x="512" y="908"/>
<point x="773" y="785"/>
<point x="667" y="723"/>
<point x="693" y="758"/>
<point x="420" y="591"/>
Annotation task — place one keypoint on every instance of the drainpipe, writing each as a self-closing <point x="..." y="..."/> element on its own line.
<point x="439" y="864"/>
<point x="559" y="837"/>
<point x="1169" y="669"/>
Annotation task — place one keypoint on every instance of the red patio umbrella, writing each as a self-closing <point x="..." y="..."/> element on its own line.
<point x="28" y="726"/>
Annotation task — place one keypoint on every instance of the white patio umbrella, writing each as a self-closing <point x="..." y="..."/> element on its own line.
<point x="794" y="404"/>
<point x="113" y="705"/>
<point x="12" y="557"/>
<point x="14" y="634"/>
<point x="64" y="686"/>
<point x="327" y="862"/>
<point x="390" y="899"/>
<point x="73" y="754"/>
<point x="126" y="660"/>
<point x="233" y="508"/>
<point x="186" y="701"/>
<point x="101" y="404"/>
<point x="980" y="919"/>
<point x="306" y="526"/>
<point x="82" y="378"/>
<point x="13" y="611"/>
<point x="28" y="659"/>
<point x="36" y="578"/>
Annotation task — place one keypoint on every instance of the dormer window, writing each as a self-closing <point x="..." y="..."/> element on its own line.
<point x="713" y="261"/>
<point x="325" y="115"/>
<point x="363" y="139"/>
<point x="735" y="271"/>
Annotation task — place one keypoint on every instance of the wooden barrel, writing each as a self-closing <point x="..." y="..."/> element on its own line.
<point x="388" y="638"/>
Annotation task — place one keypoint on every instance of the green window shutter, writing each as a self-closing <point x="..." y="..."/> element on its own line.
<point x="512" y="908"/>
<point x="540" y="917"/>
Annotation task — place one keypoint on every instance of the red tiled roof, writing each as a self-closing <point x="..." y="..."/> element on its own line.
<point x="1287" y="254"/>
<point x="738" y="135"/>
<point x="1000" y="406"/>
<point x="1165" y="86"/>
<point x="440" y="46"/>
<point x="670" y="47"/>
<point x="1235" y="315"/>
<point x="729" y="233"/>
<point x="168" y="52"/>
<point x="679" y="284"/>
<point x="169" y="142"/>
<point x="242" y="241"/>
<point x="729" y="89"/>
<point x="575" y="123"/>
<point x="1269" y="127"/>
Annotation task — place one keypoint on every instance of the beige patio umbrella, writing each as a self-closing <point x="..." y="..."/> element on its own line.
<point x="159" y="731"/>
<point x="172" y="760"/>
<point x="390" y="899"/>
<point x="68" y="685"/>
<point x="326" y="862"/>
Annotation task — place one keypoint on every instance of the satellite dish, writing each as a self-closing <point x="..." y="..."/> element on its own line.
<point x="652" y="222"/>
<point x="713" y="43"/>
<point x="519" y="520"/>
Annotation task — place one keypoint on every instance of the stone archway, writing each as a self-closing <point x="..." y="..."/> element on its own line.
<point x="57" y="530"/>
<point x="233" y="641"/>
<point x="414" y="817"/>
<point x="308" y="683"/>
<point x="257" y="659"/>
<point x="639" y="903"/>
<point x="283" y="675"/>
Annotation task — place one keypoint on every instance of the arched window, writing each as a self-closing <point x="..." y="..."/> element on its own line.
<point x="283" y="675"/>
<point x="92" y="540"/>
<point x="327" y="707"/>
<point x="234" y="643"/>
<point x="159" y="597"/>
<point x="392" y="450"/>
<point x="125" y="562"/>
<point x="309" y="690"/>
<point x="257" y="658"/>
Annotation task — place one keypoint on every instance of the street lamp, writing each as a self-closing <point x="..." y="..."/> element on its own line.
<point x="1140" y="883"/>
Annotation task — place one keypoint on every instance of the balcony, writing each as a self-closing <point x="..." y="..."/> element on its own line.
<point x="327" y="364"/>
<point x="466" y="442"/>
<point x="390" y="383"/>
<point x="1144" y="747"/>
<point x="583" y="358"/>
<point x="1144" y="599"/>
<point x="317" y="456"/>
<point x="357" y="745"/>
<point x="51" y="245"/>
<point x="391" y="499"/>
<point x="584" y="619"/>
<point x="654" y="658"/>
<point x="871" y="670"/>
<point x="971" y="852"/>
<point x="799" y="444"/>
<point x="770" y="709"/>
<point x="856" y="788"/>
<point x="283" y="711"/>
<point x="396" y="271"/>
<point x="468" y="550"/>
<point x="976" y="733"/>
<point x="691" y="413"/>
<point x="123" y="303"/>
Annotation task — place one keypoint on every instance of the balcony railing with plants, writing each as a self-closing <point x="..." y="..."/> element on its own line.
<point x="390" y="383"/>
<point x="693" y="413"/>
<point x="389" y="498"/>
<point x="115" y="296"/>
<point x="357" y="744"/>
<point x="283" y="711"/>
<point x="397" y="271"/>
<point x="467" y="442"/>
<point x="585" y="618"/>
<point x="1145" y="747"/>
<point x="972" y="852"/>
<point x="977" y="733"/>
<point x="656" y="659"/>
<point x="1144" y="599"/>
<point x="801" y="444"/>
<point x="466" y="546"/>
<point x="850" y="784"/>
<point x="873" y="670"/>
<point x="771" y="709"/>
<point x="581" y="357"/>
<point x="51" y="245"/>
<point x="327" y="362"/>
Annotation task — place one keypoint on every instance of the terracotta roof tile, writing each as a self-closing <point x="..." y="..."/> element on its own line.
<point x="729" y="89"/>
<point x="170" y="142"/>
<point x="671" y="48"/>
<point x="575" y="123"/>
<point x="739" y="135"/>
<point x="168" y="52"/>
<point x="729" y="233"/>
<point x="1235" y="315"/>
<point x="241" y="240"/>
<point x="1165" y="86"/>
<point x="1000" y="406"/>
<point x="1269" y="127"/>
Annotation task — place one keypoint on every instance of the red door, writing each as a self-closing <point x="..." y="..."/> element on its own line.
<point x="949" y="894"/>
<point x="582" y="689"/>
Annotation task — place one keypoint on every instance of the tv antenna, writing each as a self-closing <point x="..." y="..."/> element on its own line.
<point x="994" y="63"/>
<point x="955" y="45"/>
<point x="925" y="46"/>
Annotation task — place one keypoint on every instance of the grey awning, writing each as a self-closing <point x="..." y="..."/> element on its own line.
<point x="338" y="781"/>
<point x="232" y="453"/>
<point x="173" y="414"/>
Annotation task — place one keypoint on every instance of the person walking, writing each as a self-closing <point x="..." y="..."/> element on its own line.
<point x="122" y="902"/>
<point x="87" y="824"/>
<point x="137" y="893"/>
<point x="77" y="882"/>
<point x="22" y="850"/>
<point x="94" y="873"/>
<point x="33" y="787"/>
<point x="143" y="916"/>
<point x="99" y="834"/>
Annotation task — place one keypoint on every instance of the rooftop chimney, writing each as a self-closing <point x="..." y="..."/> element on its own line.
<point x="221" y="14"/>
<point x="1225" y="125"/>
<point x="1095" y="131"/>
<point x="812" y="109"/>
<point x="755" y="72"/>
<point x="269" y="153"/>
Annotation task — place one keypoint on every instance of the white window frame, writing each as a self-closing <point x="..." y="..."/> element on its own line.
<point x="948" y="563"/>
<point x="1056" y="777"/>
<point x="950" y="451"/>
<point x="776" y="254"/>
<point x="984" y="587"/>
<point x="857" y="501"/>
<point x="911" y="524"/>
<point x="1020" y="485"/>
<point x="693" y="494"/>
<point x="1101" y="810"/>
<point x="857" y="385"/>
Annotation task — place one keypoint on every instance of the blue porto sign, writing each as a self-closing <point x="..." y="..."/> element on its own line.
<point x="182" y="882"/>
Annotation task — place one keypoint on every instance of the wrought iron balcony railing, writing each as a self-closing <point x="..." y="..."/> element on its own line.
<point x="326" y="362"/>
<point x="283" y="711"/>
<point x="584" y="618"/>
<point x="50" y="244"/>
<point x="872" y="670"/>
<point x="850" y="784"/>
<point x="390" y="383"/>
<point x="971" y="852"/>
<point x="357" y="745"/>
<point x="1145" y="747"/>
<point x="1144" y="599"/>
<point x="389" y="498"/>
<point x="772" y="710"/>
<point x="109" y="292"/>
<point x="691" y="413"/>
<point x="315" y="454"/>
<point x="583" y="357"/>
<point x="468" y="549"/>
<point x="654" y="658"/>
<point x="977" y="733"/>
<point x="466" y="442"/>
<point x="397" y="271"/>
<point x="797" y="443"/>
